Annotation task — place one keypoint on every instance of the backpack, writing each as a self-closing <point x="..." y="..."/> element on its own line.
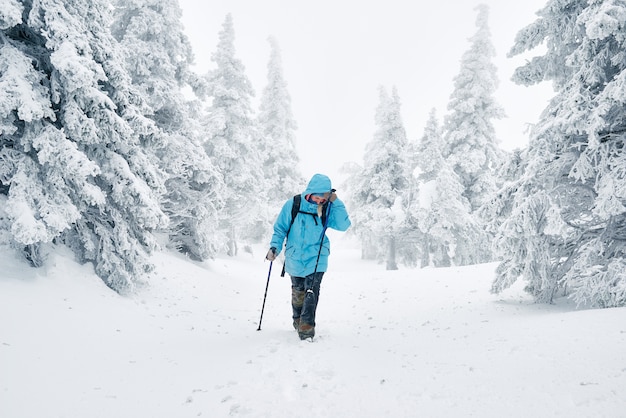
<point x="295" y="210"/>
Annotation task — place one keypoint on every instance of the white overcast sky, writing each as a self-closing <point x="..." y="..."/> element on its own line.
<point x="336" y="53"/>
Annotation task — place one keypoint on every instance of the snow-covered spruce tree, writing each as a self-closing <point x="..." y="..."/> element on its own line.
<point x="471" y="144"/>
<point x="231" y="143"/>
<point x="412" y="242"/>
<point x="351" y="172"/>
<point x="567" y="228"/>
<point x="498" y="209"/>
<point x="277" y="128"/>
<point x="428" y="152"/>
<point x="443" y="213"/>
<point x="378" y="189"/>
<point x="158" y="58"/>
<point x="410" y="238"/>
<point x="73" y="167"/>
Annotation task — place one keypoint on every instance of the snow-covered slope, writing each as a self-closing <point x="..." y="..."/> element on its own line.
<point x="407" y="343"/>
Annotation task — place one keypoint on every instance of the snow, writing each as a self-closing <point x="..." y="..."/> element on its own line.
<point x="405" y="343"/>
<point x="428" y="193"/>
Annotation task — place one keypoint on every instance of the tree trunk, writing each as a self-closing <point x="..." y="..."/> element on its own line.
<point x="368" y="250"/>
<point x="232" y="241"/>
<point x="391" y="253"/>
<point x="441" y="257"/>
<point x="425" y="261"/>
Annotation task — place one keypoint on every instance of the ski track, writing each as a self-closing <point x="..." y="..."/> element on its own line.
<point x="408" y="343"/>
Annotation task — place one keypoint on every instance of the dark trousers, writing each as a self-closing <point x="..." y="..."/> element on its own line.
<point x="305" y="292"/>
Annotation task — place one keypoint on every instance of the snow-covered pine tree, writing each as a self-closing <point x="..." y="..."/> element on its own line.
<point x="497" y="210"/>
<point x="443" y="212"/>
<point x="73" y="167"/>
<point x="428" y="152"/>
<point x="378" y="189"/>
<point x="231" y="143"/>
<point x="414" y="249"/>
<point x="410" y="237"/>
<point x="158" y="58"/>
<point x="351" y="172"/>
<point x="567" y="227"/>
<point x="277" y="128"/>
<point x="471" y="144"/>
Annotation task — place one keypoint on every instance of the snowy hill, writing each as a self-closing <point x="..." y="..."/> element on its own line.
<point x="407" y="343"/>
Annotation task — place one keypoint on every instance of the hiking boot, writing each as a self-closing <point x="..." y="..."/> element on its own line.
<point x="296" y="324"/>
<point x="306" y="331"/>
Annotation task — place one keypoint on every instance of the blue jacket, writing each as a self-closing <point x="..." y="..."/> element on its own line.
<point x="303" y="243"/>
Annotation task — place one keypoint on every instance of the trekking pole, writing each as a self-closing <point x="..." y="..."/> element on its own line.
<point x="265" y="296"/>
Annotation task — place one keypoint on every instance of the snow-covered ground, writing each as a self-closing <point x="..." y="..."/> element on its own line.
<point x="407" y="343"/>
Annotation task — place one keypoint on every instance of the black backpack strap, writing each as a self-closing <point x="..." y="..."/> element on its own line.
<point x="295" y="208"/>
<point x="324" y="213"/>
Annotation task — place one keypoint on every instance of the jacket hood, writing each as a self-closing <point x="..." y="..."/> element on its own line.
<point x="319" y="183"/>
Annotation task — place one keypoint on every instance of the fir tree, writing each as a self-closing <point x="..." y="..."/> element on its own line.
<point x="378" y="189"/>
<point x="277" y="128"/>
<point x="410" y="237"/>
<point x="74" y="168"/>
<point x="566" y="229"/>
<point x="471" y="144"/>
<point x="428" y="153"/>
<point x="158" y="58"/>
<point x="498" y="209"/>
<point x="230" y="142"/>
<point x="443" y="213"/>
<point x="468" y="130"/>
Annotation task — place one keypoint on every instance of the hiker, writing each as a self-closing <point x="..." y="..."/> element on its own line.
<point x="307" y="247"/>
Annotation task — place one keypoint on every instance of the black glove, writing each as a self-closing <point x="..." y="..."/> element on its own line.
<point x="271" y="254"/>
